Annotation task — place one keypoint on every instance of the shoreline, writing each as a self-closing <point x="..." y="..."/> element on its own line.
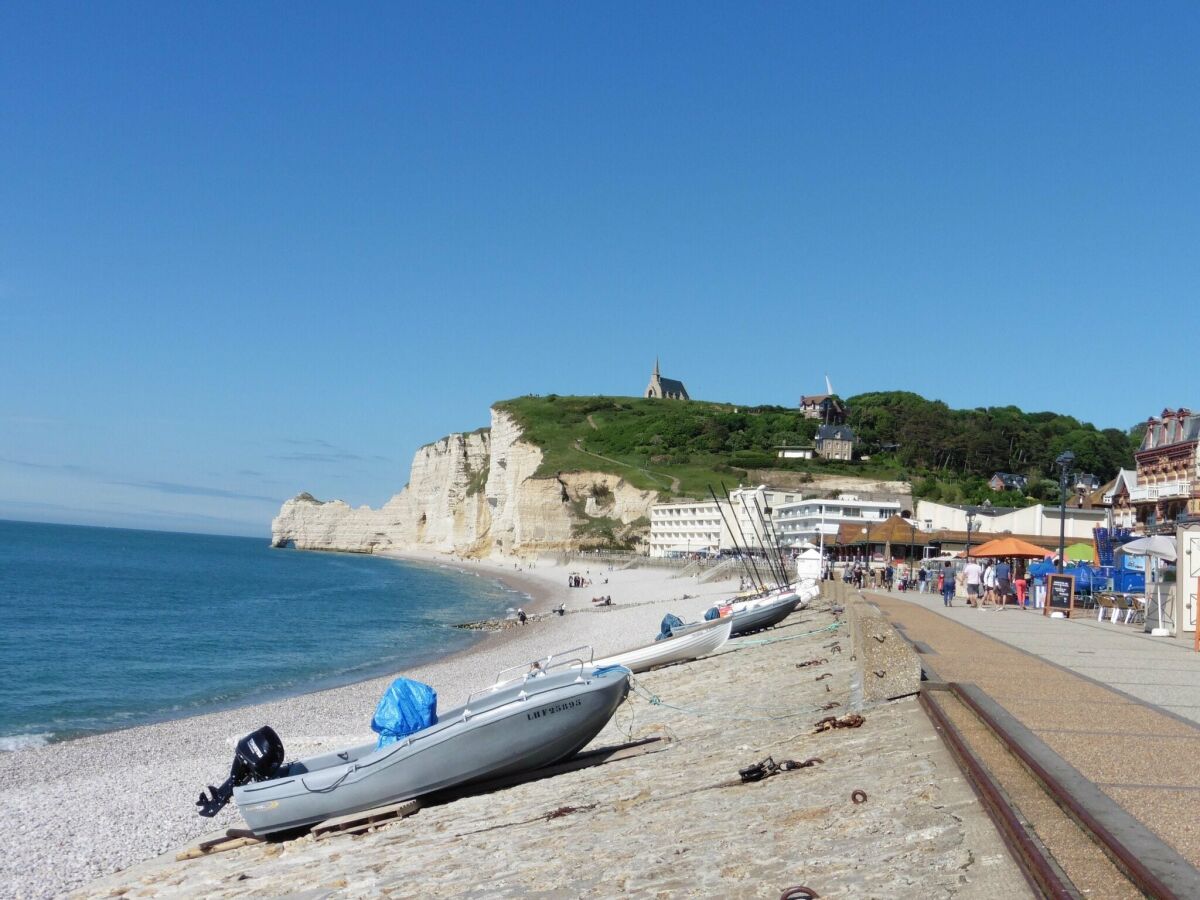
<point x="26" y="741"/>
<point x="144" y="779"/>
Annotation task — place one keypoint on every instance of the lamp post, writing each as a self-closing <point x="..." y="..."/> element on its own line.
<point x="912" y="548"/>
<point x="1064" y="461"/>
<point x="971" y="514"/>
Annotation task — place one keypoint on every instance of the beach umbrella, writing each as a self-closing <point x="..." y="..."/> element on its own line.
<point x="1157" y="547"/>
<point x="1009" y="547"/>
<point x="1081" y="552"/>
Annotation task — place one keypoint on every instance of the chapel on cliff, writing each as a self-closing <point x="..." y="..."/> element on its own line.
<point x="665" y="388"/>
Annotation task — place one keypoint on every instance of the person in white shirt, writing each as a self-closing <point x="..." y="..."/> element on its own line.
<point x="989" y="583"/>
<point x="973" y="576"/>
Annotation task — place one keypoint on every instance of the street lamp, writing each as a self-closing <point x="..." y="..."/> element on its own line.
<point x="912" y="547"/>
<point x="1064" y="462"/>
<point x="971" y="515"/>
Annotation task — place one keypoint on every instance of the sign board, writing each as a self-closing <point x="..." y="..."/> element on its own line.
<point x="1060" y="594"/>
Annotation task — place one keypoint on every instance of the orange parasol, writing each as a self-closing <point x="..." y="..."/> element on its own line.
<point x="1010" y="546"/>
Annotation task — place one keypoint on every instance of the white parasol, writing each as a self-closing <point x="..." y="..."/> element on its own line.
<point x="1156" y="547"/>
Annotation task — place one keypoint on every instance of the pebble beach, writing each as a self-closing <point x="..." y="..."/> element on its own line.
<point x="82" y="809"/>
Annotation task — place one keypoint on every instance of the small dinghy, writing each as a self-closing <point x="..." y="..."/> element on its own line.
<point x="686" y="642"/>
<point x="532" y="719"/>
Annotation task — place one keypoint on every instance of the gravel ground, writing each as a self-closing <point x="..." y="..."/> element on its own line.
<point x="84" y="808"/>
<point x="675" y="823"/>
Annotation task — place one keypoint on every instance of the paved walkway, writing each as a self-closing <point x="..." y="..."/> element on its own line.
<point x="1164" y="672"/>
<point x="1118" y="705"/>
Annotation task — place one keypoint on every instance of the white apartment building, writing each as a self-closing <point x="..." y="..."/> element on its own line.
<point x="686" y="527"/>
<point x="804" y="520"/>
<point x="698" y="526"/>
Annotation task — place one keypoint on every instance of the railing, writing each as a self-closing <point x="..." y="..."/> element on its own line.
<point x="1160" y="491"/>
<point x="576" y="656"/>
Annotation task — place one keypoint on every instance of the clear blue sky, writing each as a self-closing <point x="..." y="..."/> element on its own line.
<point x="252" y="249"/>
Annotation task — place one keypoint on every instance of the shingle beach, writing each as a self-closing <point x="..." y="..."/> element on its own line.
<point x="106" y="815"/>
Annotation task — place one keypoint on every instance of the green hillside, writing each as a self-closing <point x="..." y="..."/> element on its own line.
<point x="680" y="448"/>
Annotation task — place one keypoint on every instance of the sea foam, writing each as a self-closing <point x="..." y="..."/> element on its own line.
<point x="13" y="742"/>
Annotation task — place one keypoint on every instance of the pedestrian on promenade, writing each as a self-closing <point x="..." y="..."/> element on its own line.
<point x="973" y="575"/>
<point x="889" y="575"/>
<point x="989" y="582"/>
<point x="923" y="579"/>
<point x="1003" y="583"/>
<point x="946" y="581"/>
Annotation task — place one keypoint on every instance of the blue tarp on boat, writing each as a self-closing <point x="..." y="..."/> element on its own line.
<point x="406" y="707"/>
<point x="669" y="623"/>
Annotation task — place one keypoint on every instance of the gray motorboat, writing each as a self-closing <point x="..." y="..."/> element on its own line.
<point x="537" y="717"/>
<point x="763" y="616"/>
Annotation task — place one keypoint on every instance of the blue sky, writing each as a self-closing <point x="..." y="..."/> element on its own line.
<point x="253" y="249"/>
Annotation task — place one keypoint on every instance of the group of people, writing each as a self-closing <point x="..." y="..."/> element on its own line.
<point x="863" y="576"/>
<point x="993" y="582"/>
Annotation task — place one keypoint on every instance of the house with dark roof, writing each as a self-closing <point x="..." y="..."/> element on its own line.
<point x="1007" y="481"/>
<point x="665" y="388"/>
<point x="835" y="442"/>
<point x="825" y="407"/>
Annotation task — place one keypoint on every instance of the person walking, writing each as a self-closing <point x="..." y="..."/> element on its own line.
<point x="923" y="579"/>
<point x="989" y="583"/>
<point x="1003" y="583"/>
<point x="973" y="575"/>
<point x="946" y="580"/>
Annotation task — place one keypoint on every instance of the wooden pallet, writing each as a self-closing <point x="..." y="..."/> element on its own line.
<point x="366" y="820"/>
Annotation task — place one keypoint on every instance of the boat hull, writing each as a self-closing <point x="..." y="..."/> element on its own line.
<point x="764" y="616"/>
<point x="516" y="727"/>
<point x="696" y="641"/>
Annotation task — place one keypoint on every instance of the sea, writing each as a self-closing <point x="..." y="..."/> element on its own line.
<point x="105" y="628"/>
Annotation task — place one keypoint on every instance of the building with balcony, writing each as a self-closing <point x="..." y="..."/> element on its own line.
<point x="1164" y="493"/>
<point x="748" y="519"/>
<point x="687" y="527"/>
<point x="806" y="520"/>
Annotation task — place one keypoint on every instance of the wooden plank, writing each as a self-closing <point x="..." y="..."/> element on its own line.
<point x="220" y="845"/>
<point x="365" y="820"/>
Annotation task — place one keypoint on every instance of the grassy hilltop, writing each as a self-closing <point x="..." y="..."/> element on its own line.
<point x="679" y="448"/>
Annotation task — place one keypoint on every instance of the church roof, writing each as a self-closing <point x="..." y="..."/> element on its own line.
<point x="672" y="386"/>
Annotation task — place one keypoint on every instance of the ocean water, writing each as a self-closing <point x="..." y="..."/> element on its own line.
<point x="103" y="628"/>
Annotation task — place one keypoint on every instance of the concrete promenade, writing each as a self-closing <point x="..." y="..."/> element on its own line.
<point x="1121" y="707"/>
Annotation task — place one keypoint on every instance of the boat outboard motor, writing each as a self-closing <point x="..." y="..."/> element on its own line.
<point x="257" y="757"/>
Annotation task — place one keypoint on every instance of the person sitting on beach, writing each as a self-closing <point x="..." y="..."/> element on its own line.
<point x="561" y="609"/>
<point x="521" y="617"/>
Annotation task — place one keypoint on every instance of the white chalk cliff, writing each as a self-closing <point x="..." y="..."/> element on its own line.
<point x="472" y="494"/>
